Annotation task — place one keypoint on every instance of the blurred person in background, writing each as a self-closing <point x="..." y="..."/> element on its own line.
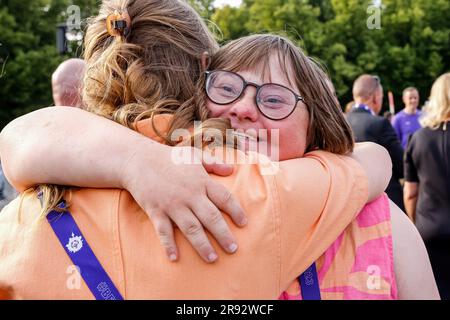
<point x="406" y="122"/>
<point x="387" y="115"/>
<point x="368" y="126"/>
<point x="349" y="106"/>
<point x="427" y="181"/>
<point x="66" y="83"/>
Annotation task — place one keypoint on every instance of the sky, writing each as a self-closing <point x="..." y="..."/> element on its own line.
<point x="235" y="3"/>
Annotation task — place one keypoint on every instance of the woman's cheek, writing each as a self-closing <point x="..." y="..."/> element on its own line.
<point x="292" y="138"/>
<point x="215" y="111"/>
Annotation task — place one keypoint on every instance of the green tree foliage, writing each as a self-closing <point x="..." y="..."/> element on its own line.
<point x="204" y="7"/>
<point x="28" y="54"/>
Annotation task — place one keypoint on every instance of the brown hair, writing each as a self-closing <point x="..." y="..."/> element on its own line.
<point x="151" y="70"/>
<point x="155" y="67"/>
<point x="328" y="130"/>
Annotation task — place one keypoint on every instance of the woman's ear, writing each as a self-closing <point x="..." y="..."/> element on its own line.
<point x="205" y="60"/>
<point x="374" y="99"/>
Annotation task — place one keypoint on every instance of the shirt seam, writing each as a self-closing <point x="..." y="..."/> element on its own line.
<point x="276" y="209"/>
<point x="394" y="289"/>
<point x="117" y="247"/>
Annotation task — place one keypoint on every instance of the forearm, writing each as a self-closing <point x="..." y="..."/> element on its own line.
<point x="410" y="196"/>
<point x="413" y="272"/>
<point x="377" y="164"/>
<point x="68" y="146"/>
<point x="410" y="207"/>
<point x="391" y="142"/>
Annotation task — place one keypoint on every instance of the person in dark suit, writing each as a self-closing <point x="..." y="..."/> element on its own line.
<point x="368" y="126"/>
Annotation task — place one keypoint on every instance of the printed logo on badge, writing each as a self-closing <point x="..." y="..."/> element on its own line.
<point x="75" y="243"/>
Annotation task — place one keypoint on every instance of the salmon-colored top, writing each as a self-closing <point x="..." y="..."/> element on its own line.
<point x="359" y="265"/>
<point x="294" y="216"/>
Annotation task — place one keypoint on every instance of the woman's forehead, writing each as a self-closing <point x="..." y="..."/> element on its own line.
<point x="272" y="69"/>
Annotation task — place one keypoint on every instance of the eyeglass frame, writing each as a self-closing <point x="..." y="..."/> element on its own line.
<point x="258" y="88"/>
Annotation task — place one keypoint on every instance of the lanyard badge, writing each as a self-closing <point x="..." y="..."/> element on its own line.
<point x="82" y="256"/>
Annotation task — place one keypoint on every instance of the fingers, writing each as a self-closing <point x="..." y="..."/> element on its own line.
<point x="216" y="166"/>
<point x="222" y="198"/>
<point x="192" y="229"/>
<point x="221" y="169"/>
<point x="164" y="230"/>
<point x="212" y="219"/>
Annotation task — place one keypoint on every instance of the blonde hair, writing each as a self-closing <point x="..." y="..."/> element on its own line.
<point x="328" y="130"/>
<point x="437" y="110"/>
<point x="151" y="70"/>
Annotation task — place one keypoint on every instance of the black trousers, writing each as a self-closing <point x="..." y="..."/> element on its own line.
<point x="439" y="252"/>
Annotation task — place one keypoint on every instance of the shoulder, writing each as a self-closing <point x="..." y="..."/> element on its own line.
<point x="321" y="174"/>
<point x="340" y="170"/>
<point x="422" y="135"/>
<point x="330" y="160"/>
<point x="23" y="210"/>
<point x="96" y="210"/>
<point x="381" y="120"/>
<point x="358" y="113"/>
<point x="382" y="125"/>
<point x="398" y="116"/>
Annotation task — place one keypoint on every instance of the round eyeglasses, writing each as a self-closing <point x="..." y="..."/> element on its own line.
<point x="274" y="101"/>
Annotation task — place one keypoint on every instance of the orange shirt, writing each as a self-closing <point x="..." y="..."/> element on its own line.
<point x="294" y="216"/>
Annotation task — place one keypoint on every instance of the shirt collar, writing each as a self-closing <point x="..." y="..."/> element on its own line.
<point x="361" y="106"/>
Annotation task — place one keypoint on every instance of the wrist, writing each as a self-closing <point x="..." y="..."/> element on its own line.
<point x="143" y="154"/>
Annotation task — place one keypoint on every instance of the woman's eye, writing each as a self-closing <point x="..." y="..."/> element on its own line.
<point x="273" y="100"/>
<point x="226" y="89"/>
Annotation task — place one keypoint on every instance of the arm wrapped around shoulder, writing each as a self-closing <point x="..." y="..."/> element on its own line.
<point x="376" y="162"/>
<point x="318" y="196"/>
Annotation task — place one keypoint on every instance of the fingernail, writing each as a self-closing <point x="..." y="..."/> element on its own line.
<point x="173" y="257"/>
<point x="244" y="221"/>
<point x="232" y="248"/>
<point x="212" y="257"/>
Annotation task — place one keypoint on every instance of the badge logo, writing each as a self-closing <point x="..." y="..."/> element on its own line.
<point x="75" y="243"/>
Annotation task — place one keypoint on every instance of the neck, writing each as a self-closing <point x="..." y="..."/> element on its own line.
<point x="410" y="110"/>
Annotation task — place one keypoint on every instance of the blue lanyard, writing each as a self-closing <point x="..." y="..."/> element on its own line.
<point x="98" y="281"/>
<point x="309" y="282"/>
<point x="81" y="254"/>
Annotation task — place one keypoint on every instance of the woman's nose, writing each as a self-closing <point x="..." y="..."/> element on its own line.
<point x="245" y="108"/>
